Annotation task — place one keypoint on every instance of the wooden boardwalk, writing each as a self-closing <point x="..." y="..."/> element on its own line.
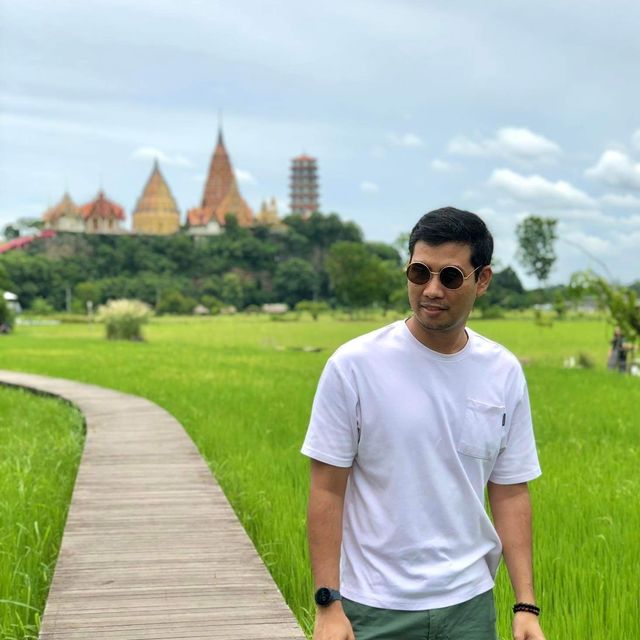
<point x="151" y="549"/>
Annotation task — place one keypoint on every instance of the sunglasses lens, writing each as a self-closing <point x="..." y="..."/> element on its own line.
<point x="418" y="273"/>
<point x="451" y="277"/>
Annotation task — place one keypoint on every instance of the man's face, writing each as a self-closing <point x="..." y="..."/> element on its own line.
<point x="436" y="308"/>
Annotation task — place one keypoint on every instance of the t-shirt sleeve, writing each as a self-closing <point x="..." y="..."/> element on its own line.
<point x="332" y="436"/>
<point x="518" y="460"/>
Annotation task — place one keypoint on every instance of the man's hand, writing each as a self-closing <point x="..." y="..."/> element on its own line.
<point x="332" y="624"/>
<point x="526" y="627"/>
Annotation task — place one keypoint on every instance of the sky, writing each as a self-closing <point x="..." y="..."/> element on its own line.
<point x="504" y="108"/>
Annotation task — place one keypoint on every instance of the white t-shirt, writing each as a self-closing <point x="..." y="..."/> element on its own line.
<point x="423" y="432"/>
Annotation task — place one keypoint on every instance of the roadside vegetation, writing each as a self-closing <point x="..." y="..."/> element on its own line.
<point x="41" y="441"/>
<point x="242" y="386"/>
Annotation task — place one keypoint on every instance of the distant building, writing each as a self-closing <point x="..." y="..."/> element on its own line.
<point x="101" y="215"/>
<point x="221" y="197"/>
<point x="304" y="186"/>
<point x="268" y="215"/>
<point x="64" y="216"/>
<point x="156" y="212"/>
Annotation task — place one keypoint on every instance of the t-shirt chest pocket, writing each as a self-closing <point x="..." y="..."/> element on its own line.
<point x="482" y="430"/>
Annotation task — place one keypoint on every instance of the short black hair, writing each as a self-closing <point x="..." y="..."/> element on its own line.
<point x="455" y="225"/>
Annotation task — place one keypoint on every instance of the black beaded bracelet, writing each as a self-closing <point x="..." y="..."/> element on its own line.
<point x="525" y="606"/>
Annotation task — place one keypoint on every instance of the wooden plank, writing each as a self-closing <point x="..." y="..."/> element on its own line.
<point x="151" y="550"/>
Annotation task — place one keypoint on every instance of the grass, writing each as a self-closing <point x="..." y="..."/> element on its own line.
<point x="41" y="441"/>
<point x="243" y="388"/>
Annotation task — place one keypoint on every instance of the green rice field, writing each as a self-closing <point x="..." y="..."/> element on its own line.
<point x="243" y="386"/>
<point x="40" y="445"/>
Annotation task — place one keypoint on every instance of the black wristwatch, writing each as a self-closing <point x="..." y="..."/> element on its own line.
<point x="325" y="596"/>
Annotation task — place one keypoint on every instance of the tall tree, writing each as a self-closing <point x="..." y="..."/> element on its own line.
<point x="536" y="252"/>
<point x="356" y="274"/>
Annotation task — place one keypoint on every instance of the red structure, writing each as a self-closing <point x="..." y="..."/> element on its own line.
<point x="21" y="243"/>
<point x="101" y="215"/>
<point x="304" y="186"/>
<point x="221" y="194"/>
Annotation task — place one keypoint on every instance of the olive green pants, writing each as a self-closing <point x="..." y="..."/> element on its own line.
<point x="471" y="620"/>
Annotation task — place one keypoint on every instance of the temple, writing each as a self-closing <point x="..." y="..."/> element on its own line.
<point x="156" y="211"/>
<point x="64" y="216"/>
<point x="101" y="215"/>
<point x="221" y="197"/>
<point x="304" y="186"/>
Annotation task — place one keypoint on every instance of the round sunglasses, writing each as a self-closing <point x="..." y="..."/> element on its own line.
<point x="450" y="277"/>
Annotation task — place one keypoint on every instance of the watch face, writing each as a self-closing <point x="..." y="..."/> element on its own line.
<point x="323" y="596"/>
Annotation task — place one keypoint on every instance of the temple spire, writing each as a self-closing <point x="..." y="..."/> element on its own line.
<point x="220" y="140"/>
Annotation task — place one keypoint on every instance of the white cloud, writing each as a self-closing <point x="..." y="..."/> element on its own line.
<point x="441" y="165"/>
<point x="369" y="187"/>
<point x="539" y="191"/>
<point x="152" y="153"/>
<point x="624" y="201"/>
<point x="514" y="143"/>
<point x="635" y="139"/>
<point x="244" y="177"/>
<point x="616" y="169"/>
<point x="406" y="140"/>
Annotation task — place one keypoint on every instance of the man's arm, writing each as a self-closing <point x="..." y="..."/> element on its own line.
<point x="511" y="510"/>
<point x="324" y="524"/>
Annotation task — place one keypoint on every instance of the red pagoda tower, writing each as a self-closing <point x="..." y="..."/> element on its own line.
<point x="221" y="195"/>
<point x="304" y="186"/>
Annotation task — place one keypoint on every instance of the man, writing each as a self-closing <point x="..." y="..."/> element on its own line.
<point x="410" y="423"/>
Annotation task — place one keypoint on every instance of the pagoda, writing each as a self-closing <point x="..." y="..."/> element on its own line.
<point x="304" y="186"/>
<point x="64" y="216"/>
<point x="221" y="197"/>
<point x="156" y="212"/>
<point x="101" y="215"/>
<point x="268" y="215"/>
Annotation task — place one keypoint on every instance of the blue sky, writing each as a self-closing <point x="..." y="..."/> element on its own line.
<point x="504" y="108"/>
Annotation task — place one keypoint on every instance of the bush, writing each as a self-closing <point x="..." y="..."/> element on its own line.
<point x="313" y="307"/>
<point x="212" y="303"/>
<point x="176" y="302"/>
<point x="124" y="318"/>
<point x="6" y="315"/>
<point x="40" y="307"/>
<point x="492" y="312"/>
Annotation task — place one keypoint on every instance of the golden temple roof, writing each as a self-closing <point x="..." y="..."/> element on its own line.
<point x="156" y="197"/>
<point x="66" y="207"/>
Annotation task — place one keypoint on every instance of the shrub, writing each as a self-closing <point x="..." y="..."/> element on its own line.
<point x="176" y="302"/>
<point x="40" y="307"/>
<point x="212" y="303"/>
<point x="124" y="318"/>
<point x="6" y="315"/>
<point x="585" y="361"/>
<point x="313" y="307"/>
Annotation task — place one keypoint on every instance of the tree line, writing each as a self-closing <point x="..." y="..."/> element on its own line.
<point x="319" y="258"/>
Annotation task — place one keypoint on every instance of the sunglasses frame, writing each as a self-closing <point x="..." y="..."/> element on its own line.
<point x="437" y="273"/>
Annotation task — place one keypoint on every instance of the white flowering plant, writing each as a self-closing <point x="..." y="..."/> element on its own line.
<point x="124" y="318"/>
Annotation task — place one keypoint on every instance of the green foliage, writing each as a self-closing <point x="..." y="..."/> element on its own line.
<point x="41" y="441"/>
<point x="358" y="278"/>
<point x="6" y="315"/>
<point x="622" y="303"/>
<point x="232" y="292"/>
<point x="175" y="302"/>
<point x="40" y="307"/>
<point x="124" y="319"/>
<point x="5" y="281"/>
<point x="585" y="544"/>
<point x="313" y="307"/>
<point x="536" y="252"/>
<point x="212" y="303"/>
<point x="295" y="279"/>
